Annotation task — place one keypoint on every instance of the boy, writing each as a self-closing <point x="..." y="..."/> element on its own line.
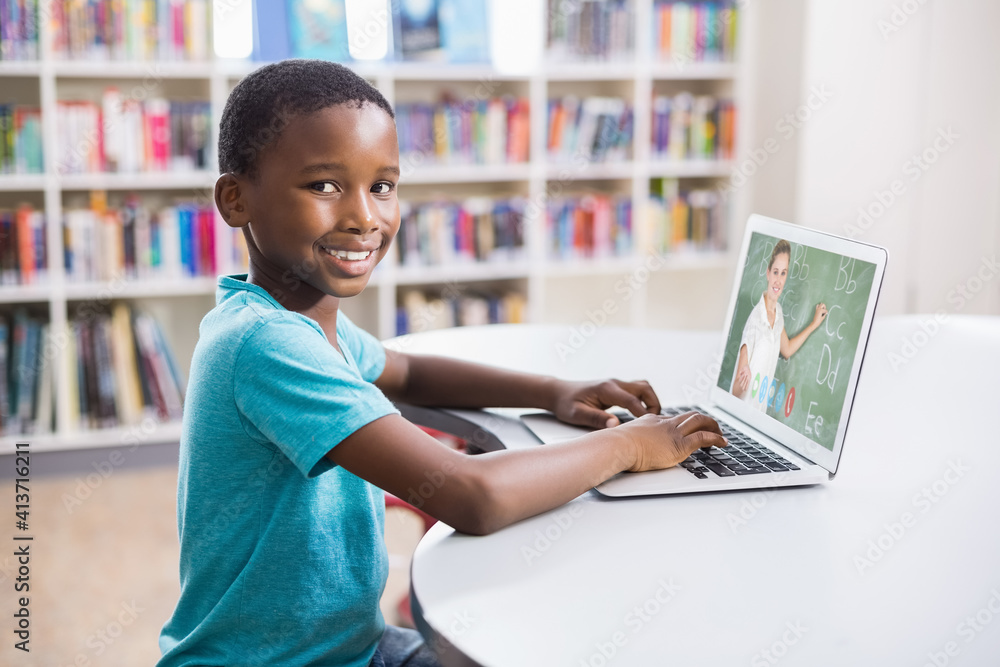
<point x="288" y="425"/>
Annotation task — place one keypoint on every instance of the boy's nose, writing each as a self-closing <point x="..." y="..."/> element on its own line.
<point x="358" y="216"/>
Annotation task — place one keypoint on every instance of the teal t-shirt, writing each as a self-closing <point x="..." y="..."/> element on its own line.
<point x="283" y="556"/>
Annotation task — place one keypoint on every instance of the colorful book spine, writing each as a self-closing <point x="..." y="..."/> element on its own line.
<point x="474" y="230"/>
<point x="589" y="226"/>
<point x="23" y="248"/>
<point x="599" y="129"/>
<point x="478" y="132"/>
<point x="590" y="30"/>
<point x="19" y="30"/>
<point x="692" y="220"/>
<point x="132" y="242"/>
<point x="423" y="311"/>
<point x="130" y="136"/>
<point x="130" y="29"/>
<point x="24" y="365"/>
<point x="689" y="127"/>
<point x="20" y="140"/>
<point x="687" y="32"/>
<point x="121" y="370"/>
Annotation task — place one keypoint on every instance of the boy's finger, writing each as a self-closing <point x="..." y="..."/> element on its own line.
<point x="699" y="422"/>
<point x="702" y="439"/>
<point x="645" y="392"/>
<point x="585" y="415"/>
<point x="615" y="394"/>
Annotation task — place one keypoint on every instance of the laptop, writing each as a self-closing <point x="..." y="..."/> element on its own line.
<point x="783" y="405"/>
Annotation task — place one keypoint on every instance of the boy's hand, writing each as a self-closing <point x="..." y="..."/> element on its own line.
<point x="583" y="403"/>
<point x="663" y="442"/>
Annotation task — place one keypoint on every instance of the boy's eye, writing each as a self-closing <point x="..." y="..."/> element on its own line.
<point x="325" y="186"/>
<point x="382" y="188"/>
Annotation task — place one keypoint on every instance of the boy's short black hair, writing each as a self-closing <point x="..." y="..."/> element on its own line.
<point x="264" y="101"/>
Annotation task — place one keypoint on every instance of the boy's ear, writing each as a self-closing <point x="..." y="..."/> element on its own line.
<point x="230" y="200"/>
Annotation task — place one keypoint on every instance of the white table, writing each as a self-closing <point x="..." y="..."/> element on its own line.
<point x="896" y="561"/>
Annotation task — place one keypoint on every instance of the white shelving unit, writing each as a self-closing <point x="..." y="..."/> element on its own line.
<point x="180" y="305"/>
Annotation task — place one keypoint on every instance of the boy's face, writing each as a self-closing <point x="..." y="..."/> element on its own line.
<point x="323" y="208"/>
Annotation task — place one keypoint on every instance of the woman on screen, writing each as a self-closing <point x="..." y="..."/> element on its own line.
<point x="764" y="334"/>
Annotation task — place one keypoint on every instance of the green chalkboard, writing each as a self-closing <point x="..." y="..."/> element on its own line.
<point x="819" y="372"/>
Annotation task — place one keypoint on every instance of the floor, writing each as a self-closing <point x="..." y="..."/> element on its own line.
<point x="103" y="565"/>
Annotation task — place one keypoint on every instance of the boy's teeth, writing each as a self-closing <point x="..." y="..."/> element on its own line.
<point x="348" y="254"/>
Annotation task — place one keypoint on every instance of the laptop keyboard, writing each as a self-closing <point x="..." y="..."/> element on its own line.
<point x="743" y="456"/>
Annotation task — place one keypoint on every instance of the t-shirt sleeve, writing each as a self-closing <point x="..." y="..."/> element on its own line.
<point x="368" y="352"/>
<point x="296" y="391"/>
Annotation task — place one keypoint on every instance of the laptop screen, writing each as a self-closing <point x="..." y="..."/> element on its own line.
<point x="799" y="315"/>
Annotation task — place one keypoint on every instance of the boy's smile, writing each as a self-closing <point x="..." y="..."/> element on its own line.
<point x="322" y="210"/>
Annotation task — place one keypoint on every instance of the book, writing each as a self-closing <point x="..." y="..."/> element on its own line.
<point x="19" y="30"/>
<point x="107" y="411"/>
<point x="685" y="220"/>
<point x="22" y="371"/>
<point x="5" y="409"/>
<point x="600" y="30"/>
<point x="318" y="29"/>
<point x="20" y="139"/>
<point x="423" y="311"/>
<point x="476" y="229"/>
<point x="686" y="32"/>
<point x="589" y="226"/>
<point x="464" y="132"/>
<point x="130" y="136"/>
<point x="271" y="40"/>
<point x="416" y="29"/>
<point x="133" y="242"/>
<point x="45" y="395"/>
<point x="598" y="129"/>
<point x="128" y="396"/>
<point x="161" y="370"/>
<point x="689" y="127"/>
<point x="120" y="369"/>
<point x="464" y="28"/>
<point x="23" y="246"/>
<point x="130" y="29"/>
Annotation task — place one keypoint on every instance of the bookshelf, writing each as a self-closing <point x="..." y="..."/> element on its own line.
<point x="555" y="290"/>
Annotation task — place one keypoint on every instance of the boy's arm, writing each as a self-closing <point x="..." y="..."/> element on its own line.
<point x="483" y="493"/>
<point x="445" y="382"/>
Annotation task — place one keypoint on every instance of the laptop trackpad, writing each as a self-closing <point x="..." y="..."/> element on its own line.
<point x="548" y="429"/>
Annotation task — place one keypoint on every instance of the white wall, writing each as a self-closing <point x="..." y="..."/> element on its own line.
<point x="899" y="83"/>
